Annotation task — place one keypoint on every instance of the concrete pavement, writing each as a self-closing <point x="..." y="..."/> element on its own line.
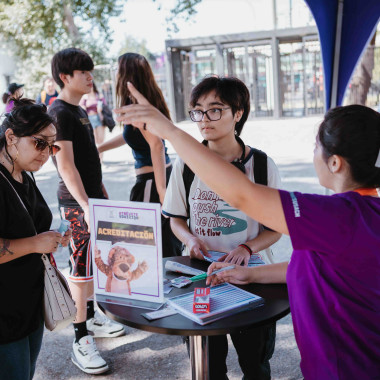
<point x="142" y="355"/>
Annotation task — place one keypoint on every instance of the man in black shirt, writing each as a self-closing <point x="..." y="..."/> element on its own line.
<point x="80" y="175"/>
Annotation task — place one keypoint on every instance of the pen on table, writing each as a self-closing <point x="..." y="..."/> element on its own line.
<point x="205" y="275"/>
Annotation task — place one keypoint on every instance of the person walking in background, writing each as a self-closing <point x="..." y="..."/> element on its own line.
<point x="27" y="138"/>
<point x="92" y="103"/>
<point x="49" y="92"/>
<point x="14" y="91"/>
<point x="152" y="163"/>
<point x="333" y="276"/>
<point x="220" y="107"/>
<point x="80" y="175"/>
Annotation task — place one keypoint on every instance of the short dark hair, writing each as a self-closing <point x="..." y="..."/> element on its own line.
<point x="230" y="90"/>
<point x="68" y="60"/>
<point x="353" y="132"/>
<point x="26" y="119"/>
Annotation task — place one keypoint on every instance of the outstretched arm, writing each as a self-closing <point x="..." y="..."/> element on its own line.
<point x="262" y="274"/>
<point x="157" y="152"/>
<point x="113" y="143"/>
<point x="259" y="202"/>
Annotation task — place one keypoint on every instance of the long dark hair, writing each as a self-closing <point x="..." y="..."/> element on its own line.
<point x="135" y="68"/>
<point x="353" y="132"/>
<point x="26" y="119"/>
<point x="5" y="97"/>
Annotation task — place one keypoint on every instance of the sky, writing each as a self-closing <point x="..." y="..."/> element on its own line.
<point x="142" y="20"/>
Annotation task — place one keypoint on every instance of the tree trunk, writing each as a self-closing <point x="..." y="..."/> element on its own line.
<point x="68" y="22"/>
<point x="361" y="79"/>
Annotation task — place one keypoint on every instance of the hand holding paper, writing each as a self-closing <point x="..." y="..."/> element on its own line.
<point x="231" y="273"/>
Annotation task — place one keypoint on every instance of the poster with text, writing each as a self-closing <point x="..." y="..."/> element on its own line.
<point x="127" y="249"/>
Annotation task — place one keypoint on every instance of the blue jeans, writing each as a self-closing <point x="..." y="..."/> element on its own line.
<point x="18" y="359"/>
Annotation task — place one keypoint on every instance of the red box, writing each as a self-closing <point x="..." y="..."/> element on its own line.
<point x="201" y="303"/>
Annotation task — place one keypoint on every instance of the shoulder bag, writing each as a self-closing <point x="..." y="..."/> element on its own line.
<point x="58" y="306"/>
<point x="108" y="120"/>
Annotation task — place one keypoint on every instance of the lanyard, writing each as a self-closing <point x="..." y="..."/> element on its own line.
<point x="368" y="191"/>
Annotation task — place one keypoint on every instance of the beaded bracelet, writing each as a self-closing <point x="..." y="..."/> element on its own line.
<point x="246" y="247"/>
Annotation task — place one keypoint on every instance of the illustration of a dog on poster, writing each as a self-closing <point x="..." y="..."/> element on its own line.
<point x="118" y="270"/>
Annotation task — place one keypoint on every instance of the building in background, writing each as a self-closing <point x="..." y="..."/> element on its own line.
<point x="281" y="66"/>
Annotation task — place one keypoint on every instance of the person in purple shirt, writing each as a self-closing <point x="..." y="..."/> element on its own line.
<point x="333" y="276"/>
<point x="14" y="91"/>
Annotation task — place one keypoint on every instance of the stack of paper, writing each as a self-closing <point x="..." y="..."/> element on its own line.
<point x="254" y="260"/>
<point x="225" y="300"/>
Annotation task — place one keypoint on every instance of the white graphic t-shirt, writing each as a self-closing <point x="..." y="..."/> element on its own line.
<point x="213" y="220"/>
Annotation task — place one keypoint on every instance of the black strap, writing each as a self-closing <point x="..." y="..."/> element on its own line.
<point x="188" y="178"/>
<point x="260" y="167"/>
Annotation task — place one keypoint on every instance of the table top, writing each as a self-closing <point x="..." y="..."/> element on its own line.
<point x="275" y="307"/>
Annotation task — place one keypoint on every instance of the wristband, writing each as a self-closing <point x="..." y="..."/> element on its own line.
<point x="245" y="246"/>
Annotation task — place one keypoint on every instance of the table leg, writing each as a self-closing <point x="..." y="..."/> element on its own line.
<point x="199" y="357"/>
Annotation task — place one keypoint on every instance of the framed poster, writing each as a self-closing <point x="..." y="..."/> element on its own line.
<point x="126" y="252"/>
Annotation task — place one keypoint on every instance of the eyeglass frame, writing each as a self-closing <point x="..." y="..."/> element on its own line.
<point x="38" y="140"/>
<point x="205" y="113"/>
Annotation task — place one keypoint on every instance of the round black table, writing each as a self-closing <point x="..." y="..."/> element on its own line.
<point x="275" y="307"/>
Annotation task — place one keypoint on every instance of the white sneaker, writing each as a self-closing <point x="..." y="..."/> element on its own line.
<point x="102" y="327"/>
<point x="86" y="357"/>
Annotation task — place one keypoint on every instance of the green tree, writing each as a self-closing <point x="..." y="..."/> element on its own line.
<point x="47" y="25"/>
<point x="132" y="44"/>
<point x="33" y="30"/>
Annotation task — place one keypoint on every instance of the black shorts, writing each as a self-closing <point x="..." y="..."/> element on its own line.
<point x="80" y="261"/>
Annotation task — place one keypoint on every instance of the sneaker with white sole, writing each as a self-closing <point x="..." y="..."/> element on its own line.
<point x="86" y="356"/>
<point x="102" y="327"/>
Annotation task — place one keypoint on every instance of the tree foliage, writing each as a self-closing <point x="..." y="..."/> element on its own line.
<point x="49" y="25"/>
<point x="183" y="10"/>
<point x="35" y="29"/>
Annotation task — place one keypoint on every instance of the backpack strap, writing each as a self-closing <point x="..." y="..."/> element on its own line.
<point x="43" y="96"/>
<point x="188" y="178"/>
<point x="260" y="167"/>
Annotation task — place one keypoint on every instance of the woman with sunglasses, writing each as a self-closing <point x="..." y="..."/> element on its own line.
<point x="333" y="277"/>
<point x="152" y="163"/>
<point x="27" y="137"/>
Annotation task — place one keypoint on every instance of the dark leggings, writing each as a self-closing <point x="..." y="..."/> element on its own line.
<point x="18" y="359"/>
<point x="254" y="349"/>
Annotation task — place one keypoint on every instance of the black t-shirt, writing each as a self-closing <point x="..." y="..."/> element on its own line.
<point x="21" y="280"/>
<point x="73" y="125"/>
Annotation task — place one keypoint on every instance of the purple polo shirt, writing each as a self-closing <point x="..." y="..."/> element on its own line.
<point x="334" y="283"/>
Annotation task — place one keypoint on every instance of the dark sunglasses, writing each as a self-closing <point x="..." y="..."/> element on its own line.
<point x="41" y="145"/>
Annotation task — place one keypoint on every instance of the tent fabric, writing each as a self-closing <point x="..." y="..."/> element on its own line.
<point x="359" y="21"/>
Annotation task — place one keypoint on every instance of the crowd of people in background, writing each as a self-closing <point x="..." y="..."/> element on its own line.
<point x="333" y="275"/>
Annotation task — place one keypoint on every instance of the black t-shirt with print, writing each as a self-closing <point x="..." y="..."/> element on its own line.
<point x="73" y="125"/>
<point x="21" y="280"/>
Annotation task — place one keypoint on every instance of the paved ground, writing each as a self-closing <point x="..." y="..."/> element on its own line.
<point x="142" y="355"/>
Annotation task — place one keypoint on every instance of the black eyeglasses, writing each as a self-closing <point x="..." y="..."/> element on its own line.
<point x="41" y="145"/>
<point x="213" y="114"/>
